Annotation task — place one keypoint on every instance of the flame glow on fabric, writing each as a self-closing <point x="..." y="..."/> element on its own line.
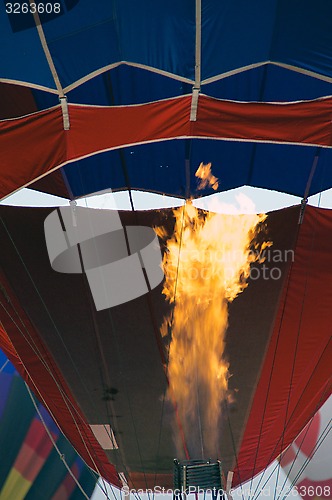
<point x="206" y="266"/>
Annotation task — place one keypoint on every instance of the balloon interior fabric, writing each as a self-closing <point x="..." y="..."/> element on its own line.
<point x="30" y="465"/>
<point x="102" y="373"/>
<point x="307" y="462"/>
<point x="157" y="88"/>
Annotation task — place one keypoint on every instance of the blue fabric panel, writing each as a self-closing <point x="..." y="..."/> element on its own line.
<point x="235" y="34"/>
<point x="287" y="168"/>
<point x="158" y="167"/>
<point x="95" y="35"/>
<point x="285" y="85"/>
<point x="323" y="175"/>
<point x="159" y="34"/>
<point x="89" y="43"/>
<point x="86" y="36"/>
<point x="125" y="85"/>
<point x="230" y="163"/>
<point x="281" y="167"/>
<point x="96" y="173"/>
<point x="9" y="368"/>
<point x="268" y="83"/>
<point x="48" y="420"/>
<point x="45" y="100"/>
<point x="244" y="86"/>
<point x="303" y="35"/>
<point x="5" y="383"/>
<point x="21" y="54"/>
<point x="161" y="167"/>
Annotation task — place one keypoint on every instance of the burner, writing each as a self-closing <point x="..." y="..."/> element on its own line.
<point x="198" y="476"/>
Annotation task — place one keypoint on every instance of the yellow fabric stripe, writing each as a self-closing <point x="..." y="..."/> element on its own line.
<point x="16" y="486"/>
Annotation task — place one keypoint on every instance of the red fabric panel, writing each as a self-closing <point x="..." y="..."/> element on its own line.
<point x="29" y="463"/>
<point x="38" y="439"/>
<point x="30" y="147"/>
<point x="51" y="385"/>
<point x="34" y="145"/>
<point x="99" y="128"/>
<point x="306" y="122"/>
<point x="296" y="375"/>
<point x="60" y="493"/>
<point x="311" y="437"/>
<point x="68" y="485"/>
<point x="9" y="349"/>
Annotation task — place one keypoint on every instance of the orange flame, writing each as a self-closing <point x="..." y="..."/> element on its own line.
<point x="207" y="178"/>
<point x="206" y="265"/>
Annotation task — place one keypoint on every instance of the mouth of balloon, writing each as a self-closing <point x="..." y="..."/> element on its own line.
<point x="263" y="200"/>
